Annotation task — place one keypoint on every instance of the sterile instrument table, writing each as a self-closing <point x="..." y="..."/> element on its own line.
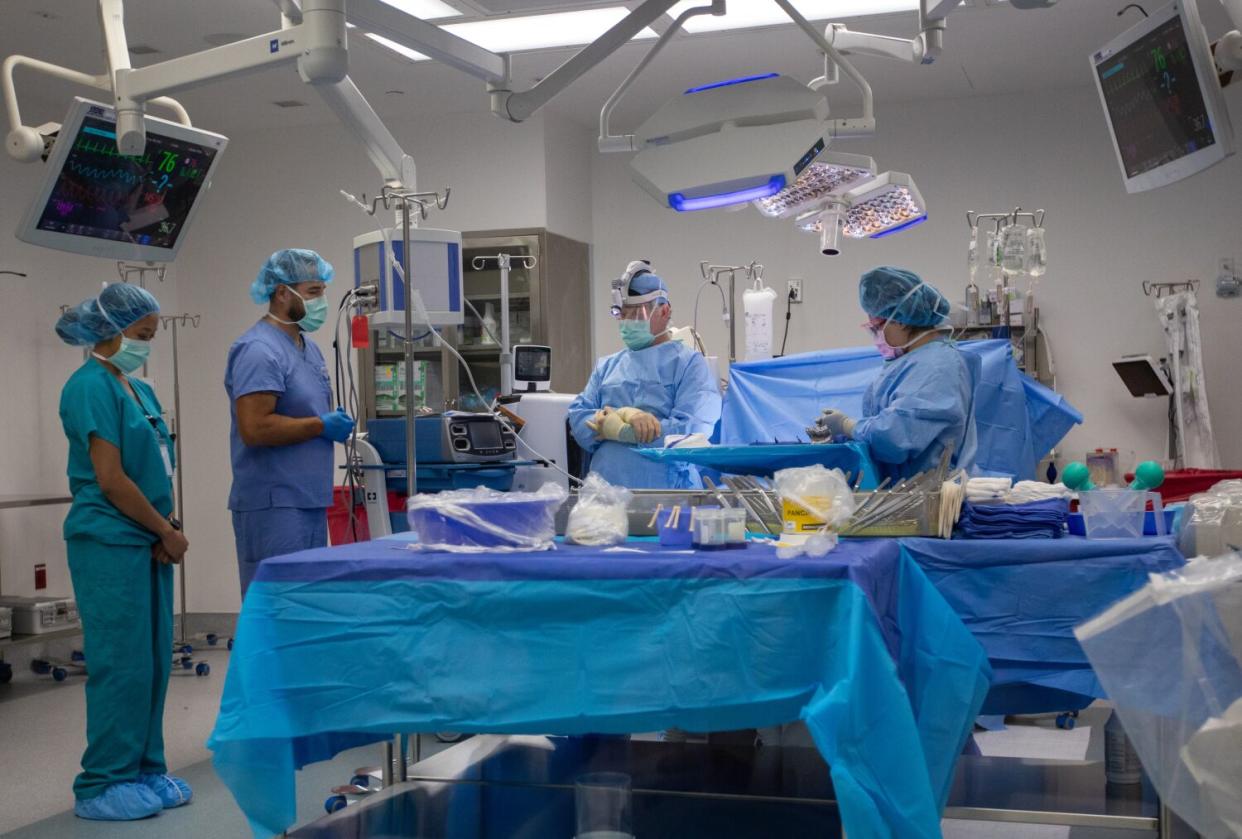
<point x="1022" y="598"/>
<point x="511" y="787"/>
<point x="343" y="646"/>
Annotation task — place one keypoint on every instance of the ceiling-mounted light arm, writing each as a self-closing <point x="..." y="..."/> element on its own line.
<point x="839" y="127"/>
<point x="923" y="48"/>
<point x="517" y="107"/>
<point x="290" y="10"/>
<point x="609" y="142"/>
<point x="381" y="19"/>
<point x="26" y="143"/>
<point x="317" y="44"/>
<point x="355" y="112"/>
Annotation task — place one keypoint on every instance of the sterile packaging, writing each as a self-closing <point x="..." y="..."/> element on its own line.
<point x="484" y="520"/>
<point x="814" y="501"/>
<point x="1212" y="521"/>
<point x="601" y="515"/>
<point x="1169" y="657"/>
<point x="1118" y="513"/>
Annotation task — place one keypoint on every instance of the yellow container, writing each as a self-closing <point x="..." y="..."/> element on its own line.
<point x="801" y="521"/>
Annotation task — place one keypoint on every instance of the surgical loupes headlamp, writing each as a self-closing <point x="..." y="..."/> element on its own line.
<point x="621" y="287"/>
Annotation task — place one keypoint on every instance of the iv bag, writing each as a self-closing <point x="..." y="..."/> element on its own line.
<point x="757" y="304"/>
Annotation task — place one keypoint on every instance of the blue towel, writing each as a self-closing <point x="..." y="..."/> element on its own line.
<point x="1036" y="520"/>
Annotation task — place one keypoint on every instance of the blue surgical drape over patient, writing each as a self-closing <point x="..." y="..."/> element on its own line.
<point x="669" y="381"/>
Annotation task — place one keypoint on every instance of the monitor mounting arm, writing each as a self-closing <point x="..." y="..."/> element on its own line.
<point x="923" y="48"/>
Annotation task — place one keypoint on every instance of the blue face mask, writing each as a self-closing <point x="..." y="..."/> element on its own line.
<point x="131" y="355"/>
<point x="636" y="334"/>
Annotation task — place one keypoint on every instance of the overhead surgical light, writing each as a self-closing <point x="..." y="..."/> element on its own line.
<point x="829" y="176"/>
<point x="731" y="142"/>
<point x="875" y="208"/>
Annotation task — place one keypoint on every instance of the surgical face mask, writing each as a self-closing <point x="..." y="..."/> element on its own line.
<point x="131" y="355"/>
<point x="636" y="334"/>
<point x="316" y="312"/>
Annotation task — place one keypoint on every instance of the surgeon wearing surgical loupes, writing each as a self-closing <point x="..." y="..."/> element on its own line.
<point x="283" y="427"/>
<point x="652" y="389"/>
<point x="122" y="541"/>
<point x="923" y="399"/>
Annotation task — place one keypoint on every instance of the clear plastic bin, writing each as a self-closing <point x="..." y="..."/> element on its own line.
<point x="1119" y="513"/>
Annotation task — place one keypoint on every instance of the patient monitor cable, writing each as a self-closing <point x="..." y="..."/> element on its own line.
<point x="417" y="300"/>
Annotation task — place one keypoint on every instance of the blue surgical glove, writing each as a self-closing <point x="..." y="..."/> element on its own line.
<point x="337" y="426"/>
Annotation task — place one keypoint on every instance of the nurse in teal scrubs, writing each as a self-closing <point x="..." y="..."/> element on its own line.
<point x="122" y="542"/>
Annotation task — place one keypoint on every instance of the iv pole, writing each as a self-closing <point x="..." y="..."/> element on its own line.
<point x="179" y="497"/>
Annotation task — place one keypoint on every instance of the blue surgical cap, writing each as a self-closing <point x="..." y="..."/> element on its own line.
<point x="648" y="283"/>
<point x="901" y="296"/>
<point x="119" y="306"/>
<point x="289" y="267"/>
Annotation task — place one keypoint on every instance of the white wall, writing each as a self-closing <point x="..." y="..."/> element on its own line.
<point x="569" y="150"/>
<point x="989" y="154"/>
<point x="33" y="456"/>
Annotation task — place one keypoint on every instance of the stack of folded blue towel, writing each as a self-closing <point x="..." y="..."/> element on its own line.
<point x="1036" y="520"/>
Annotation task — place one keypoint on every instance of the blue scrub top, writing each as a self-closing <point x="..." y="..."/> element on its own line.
<point x="266" y="360"/>
<point x="93" y="402"/>
<point x="919" y="404"/>
<point x="670" y="381"/>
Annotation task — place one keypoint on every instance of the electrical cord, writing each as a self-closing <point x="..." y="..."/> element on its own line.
<point x="789" y="298"/>
<point x="724" y="304"/>
<point x="422" y="312"/>
<point x="347" y="399"/>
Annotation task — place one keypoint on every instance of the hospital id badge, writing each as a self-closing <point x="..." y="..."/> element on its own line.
<point x="168" y="468"/>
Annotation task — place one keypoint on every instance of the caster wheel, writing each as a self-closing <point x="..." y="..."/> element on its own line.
<point x="59" y="674"/>
<point x="186" y="649"/>
<point x="40" y="666"/>
<point x="187" y="663"/>
<point x="361" y="781"/>
<point x="212" y="638"/>
<point x="6" y="673"/>
<point x="202" y="669"/>
<point x="335" y="803"/>
<point x="78" y="656"/>
<point x="1066" y="722"/>
<point x="449" y="736"/>
<point x="230" y="645"/>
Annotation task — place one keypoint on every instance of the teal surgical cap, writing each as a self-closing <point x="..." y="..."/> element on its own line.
<point x="901" y="296"/>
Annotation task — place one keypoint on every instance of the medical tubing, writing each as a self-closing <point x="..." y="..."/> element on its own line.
<point x="422" y="312"/>
<point x="347" y="398"/>
<point x="724" y="311"/>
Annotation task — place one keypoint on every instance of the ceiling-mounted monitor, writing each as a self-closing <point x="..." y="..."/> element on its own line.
<point x="98" y="202"/>
<point x="1165" y="110"/>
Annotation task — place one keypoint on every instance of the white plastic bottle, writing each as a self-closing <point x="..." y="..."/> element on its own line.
<point x="1121" y="760"/>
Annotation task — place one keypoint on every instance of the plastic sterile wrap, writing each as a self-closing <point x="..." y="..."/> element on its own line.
<point x="1170" y="658"/>
<point x="1212" y="521"/>
<point x="600" y="517"/>
<point x="484" y="520"/>
<point x="814" y="500"/>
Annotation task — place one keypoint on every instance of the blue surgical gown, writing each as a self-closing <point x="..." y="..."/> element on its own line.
<point x="919" y="404"/>
<point x="669" y="381"/>
<point x="280" y="494"/>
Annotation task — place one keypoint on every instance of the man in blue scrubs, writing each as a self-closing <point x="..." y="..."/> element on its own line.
<point x="650" y="390"/>
<point x="283" y="425"/>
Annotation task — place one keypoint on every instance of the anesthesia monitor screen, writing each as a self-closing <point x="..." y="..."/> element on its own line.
<point x="1154" y="100"/>
<point x="103" y="194"/>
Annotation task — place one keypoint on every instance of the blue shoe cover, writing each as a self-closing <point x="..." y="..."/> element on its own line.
<point x="171" y="791"/>
<point x="119" y="802"/>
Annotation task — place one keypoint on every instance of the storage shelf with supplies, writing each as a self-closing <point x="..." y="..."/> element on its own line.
<point x="546" y="306"/>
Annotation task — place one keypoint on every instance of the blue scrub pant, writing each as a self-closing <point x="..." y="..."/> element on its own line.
<point x="125" y="600"/>
<point x="275" y="531"/>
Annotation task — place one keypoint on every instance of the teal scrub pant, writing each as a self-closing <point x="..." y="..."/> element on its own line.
<point x="125" y="600"/>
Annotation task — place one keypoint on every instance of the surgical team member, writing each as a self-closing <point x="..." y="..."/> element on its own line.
<point x="122" y="542"/>
<point x="283" y="425"/>
<point x="653" y="388"/>
<point x="923" y="400"/>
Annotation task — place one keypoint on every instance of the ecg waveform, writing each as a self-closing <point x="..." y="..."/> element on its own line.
<point x="98" y="173"/>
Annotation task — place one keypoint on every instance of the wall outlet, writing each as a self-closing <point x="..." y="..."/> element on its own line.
<point x="1228" y="283"/>
<point x="793" y="290"/>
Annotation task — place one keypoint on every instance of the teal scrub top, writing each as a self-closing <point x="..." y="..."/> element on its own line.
<point x="94" y="402"/>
